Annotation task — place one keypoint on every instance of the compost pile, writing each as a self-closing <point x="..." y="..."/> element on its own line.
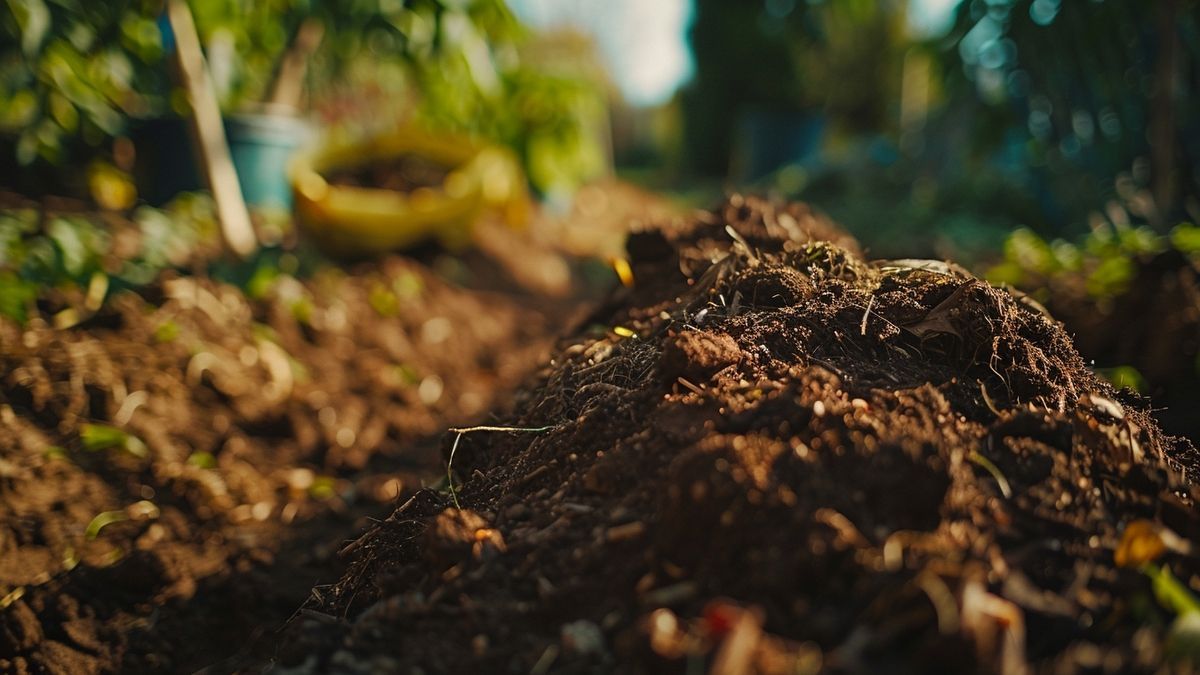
<point x="177" y="470"/>
<point x="770" y="455"/>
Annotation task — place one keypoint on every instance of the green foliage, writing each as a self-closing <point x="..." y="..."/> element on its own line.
<point x="103" y="520"/>
<point x="1080" y="92"/>
<point x="552" y="122"/>
<point x="840" y="58"/>
<point x="166" y="331"/>
<point x="383" y="301"/>
<point x="1183" y="638"/>
<point x="75" y="70"/>
<point x="472" y="68"/>
<point x="69" y="251"/>
<point x="202" y="459"/>
<point x="73" y="74"/>
<point x="1106" y="258"/>
<point x="99" y="437"/>
<point x="1124" y="377"/>
<point x="1186" y="238"/>
<point x="79" y="70"/>
<point x="961" y="214"/>
<point x="16" y="295"/>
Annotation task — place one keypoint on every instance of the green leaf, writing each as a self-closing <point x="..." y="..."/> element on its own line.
<point x="1183" y="638"/>
<point x="383" y="301"/>
<point x="1123" y="377"/>
<point x="19" y="110"/>
<point x="1170" y="592"/>
<point x="98" y="437"/>
<point x="262" y="281"/>
<point x="1186" y="238"/>
<point x="166" y="331"/>
<point x="16" y="295"/>
<point x="33" y="19"/>
<point x="322" y="488"/>
<point x="70" y="244"/>
<point x="103" y="520"/>
<point x="1112" y="276"/>
<point x="27" y="147"/>
<point x="1030" y="252"/>
<point x="203" y="460"/>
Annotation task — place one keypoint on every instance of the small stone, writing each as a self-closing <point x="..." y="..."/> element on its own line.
<point x="479" y="645"/>
<point x="582" y="637"/>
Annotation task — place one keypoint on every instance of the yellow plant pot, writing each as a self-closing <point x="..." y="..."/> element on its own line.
<point x="347" y="220"/>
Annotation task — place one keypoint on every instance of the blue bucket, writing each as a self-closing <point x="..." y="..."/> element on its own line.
<point x="262" y="146"/>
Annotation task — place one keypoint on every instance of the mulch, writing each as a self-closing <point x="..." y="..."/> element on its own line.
<point x="179" y="469"/>
<point x="772" y="455"/>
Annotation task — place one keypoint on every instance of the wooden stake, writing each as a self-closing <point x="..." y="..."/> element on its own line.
<point x="208" y="133"/>
<point x="288" y="85"/>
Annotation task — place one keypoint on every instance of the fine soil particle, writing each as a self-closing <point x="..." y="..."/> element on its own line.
<point x="771" y="455"/>
<point x="178" y="470"/>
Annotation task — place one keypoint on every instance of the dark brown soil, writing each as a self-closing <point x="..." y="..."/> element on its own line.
<point x="404" y="173"/>
<point x="773" y="456"/>
<point x="259" y="434"/>
<point x="1153" y="326"/>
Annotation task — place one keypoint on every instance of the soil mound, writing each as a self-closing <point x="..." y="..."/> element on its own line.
<point x="771" y="455"/>
<point x="160" y="460"/>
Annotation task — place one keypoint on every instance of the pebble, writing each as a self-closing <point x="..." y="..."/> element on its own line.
<point x="582" y="637"/>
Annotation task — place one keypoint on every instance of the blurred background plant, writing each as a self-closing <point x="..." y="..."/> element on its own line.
<point x="75" y="76"/>
<point x="969" y="117"/>
<point x="1089" y="98"/>
<point x="67" y="262"/>
<point x="1130" y="295"/>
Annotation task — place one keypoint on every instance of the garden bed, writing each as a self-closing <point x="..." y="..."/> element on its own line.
<point x="179" y="468"/>
<point x="765" y="455"/>
<point x="771" y="455"/>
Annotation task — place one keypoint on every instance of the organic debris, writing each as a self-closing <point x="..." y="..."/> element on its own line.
<point x="803" y="462"/>
<point x="178" y="469"/>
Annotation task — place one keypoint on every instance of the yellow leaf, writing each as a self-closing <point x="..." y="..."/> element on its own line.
<point x="1141" y="542"/>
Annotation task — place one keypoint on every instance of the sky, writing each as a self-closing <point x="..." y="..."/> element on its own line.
<point x="644" y="42"/>
<point x="930" y="18"/>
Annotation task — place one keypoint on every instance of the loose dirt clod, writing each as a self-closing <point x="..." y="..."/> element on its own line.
<point x="803" y="462"/>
